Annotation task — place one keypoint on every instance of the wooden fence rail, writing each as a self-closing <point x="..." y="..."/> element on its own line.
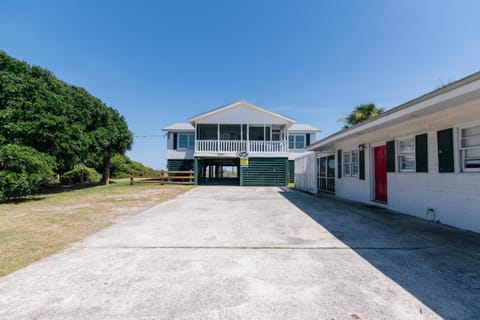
<point x="165" y="177"/>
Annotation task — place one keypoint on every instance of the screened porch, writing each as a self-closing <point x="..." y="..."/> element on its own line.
<point x="234" y="138"/>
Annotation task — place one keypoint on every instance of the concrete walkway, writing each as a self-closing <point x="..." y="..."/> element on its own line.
<point x="255" y="253"/>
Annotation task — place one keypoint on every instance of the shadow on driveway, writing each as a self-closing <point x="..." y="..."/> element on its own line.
<point x="437" y="264"/>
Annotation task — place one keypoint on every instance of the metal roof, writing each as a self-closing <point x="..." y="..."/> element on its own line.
<point x="179" y="127"/>
<point x="300" y="127"/>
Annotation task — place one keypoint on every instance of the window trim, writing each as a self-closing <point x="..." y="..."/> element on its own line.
<point x="350" y="163"/>
<point x="294" y="136"/>
<point x="353" y="162"/>
<point x="401" y="154"/>
<point x="189" y="137"/>
<point x="347" y="164"/>
<point x="461" y="151"/>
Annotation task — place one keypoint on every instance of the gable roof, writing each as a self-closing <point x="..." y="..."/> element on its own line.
<point x="300" y="127"/>
<point x="421" y="105"/>
<point x="192" y="120"/>
<point x="179" y="127"/>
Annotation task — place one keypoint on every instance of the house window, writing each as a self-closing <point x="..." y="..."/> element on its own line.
<point x="355" y="165"/>
<point x="186" y="141"/>
<point x="470" y="148"/>
<point x="347" y="164"/>
<point x="406" y="154"/>
<point x="351" y="163"/>
<point x="296" y="141"/>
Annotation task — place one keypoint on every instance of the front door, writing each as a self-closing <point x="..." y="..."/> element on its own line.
<point x="326" y="174"/>
<point x="380" y="158"/>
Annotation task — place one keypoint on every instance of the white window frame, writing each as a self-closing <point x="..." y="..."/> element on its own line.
<point x="463" y="150"/>
<point x="295" y="141"/>
<point x="347" y="164"/>
<point x="351" y="168"/>
<point x="410" y="153"/>
<point x="190" y="136"/>
<point x="355" y="164"/>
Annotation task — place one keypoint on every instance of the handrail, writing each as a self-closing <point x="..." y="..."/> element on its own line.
<point x="229" y="146"/>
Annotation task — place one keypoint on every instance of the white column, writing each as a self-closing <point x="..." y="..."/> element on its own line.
<point x="248" y="137"/>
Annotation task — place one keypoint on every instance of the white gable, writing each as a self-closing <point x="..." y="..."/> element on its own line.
<point x="242" y="112"/>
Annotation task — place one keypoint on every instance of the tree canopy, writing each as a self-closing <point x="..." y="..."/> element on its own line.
<point x="63" y="121"/>
<point x="361" y="113"/>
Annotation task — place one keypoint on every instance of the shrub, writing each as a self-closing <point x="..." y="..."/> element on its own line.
<point x="74" y="176"/>
<point x="22" y="170"/>
<point x="121" y="166"/>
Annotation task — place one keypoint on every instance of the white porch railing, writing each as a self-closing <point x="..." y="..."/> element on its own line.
<point x="233" y="146"/>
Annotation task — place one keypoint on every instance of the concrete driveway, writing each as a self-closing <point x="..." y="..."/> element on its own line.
<point x="255" y="253"/>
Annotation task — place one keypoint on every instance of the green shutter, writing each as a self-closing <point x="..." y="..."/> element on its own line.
<point x="390" y="156"/>
<point x="307" y="139"/>
<point x="339" y="163"/>
<point x="174" y="141"/>
<point x="445" y="151"/>
<point x="361" y="164"/>
<point x="421" y="152"/>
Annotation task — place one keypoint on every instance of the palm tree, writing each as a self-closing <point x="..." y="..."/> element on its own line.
<point x="361" y="113"/>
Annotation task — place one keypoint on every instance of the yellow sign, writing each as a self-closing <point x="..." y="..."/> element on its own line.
<point x="244" y="162"/>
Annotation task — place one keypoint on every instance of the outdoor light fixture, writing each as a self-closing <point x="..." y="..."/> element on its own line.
<point x="361" y="147"/>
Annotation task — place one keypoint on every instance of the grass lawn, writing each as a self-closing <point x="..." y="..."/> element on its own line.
<point x="46" y="224"/>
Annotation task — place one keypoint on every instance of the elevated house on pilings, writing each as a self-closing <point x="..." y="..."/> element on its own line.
<point x="239" y="143"/>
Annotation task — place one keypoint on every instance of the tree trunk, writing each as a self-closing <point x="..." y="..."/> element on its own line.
<point x="106" y="169"/>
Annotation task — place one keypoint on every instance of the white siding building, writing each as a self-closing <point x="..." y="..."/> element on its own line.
<point x="421" y="158"/>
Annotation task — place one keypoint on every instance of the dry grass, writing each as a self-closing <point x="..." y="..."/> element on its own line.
<point x="44" y="225"/>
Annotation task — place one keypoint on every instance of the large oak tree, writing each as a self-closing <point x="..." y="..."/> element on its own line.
<point x="64" y="121"/>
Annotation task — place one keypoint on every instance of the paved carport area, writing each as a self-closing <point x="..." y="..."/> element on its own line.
<point x="255" y="253"/>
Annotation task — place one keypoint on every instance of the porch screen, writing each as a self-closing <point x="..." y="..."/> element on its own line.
<point x="207" y="132"/>
<point x="230" y="132"/>
<point x="256" y="134"/>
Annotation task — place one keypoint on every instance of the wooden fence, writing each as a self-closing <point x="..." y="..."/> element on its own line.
<point x="165" y="177"/>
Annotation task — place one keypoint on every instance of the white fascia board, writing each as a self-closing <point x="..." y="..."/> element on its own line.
<point x="227" y="107"/>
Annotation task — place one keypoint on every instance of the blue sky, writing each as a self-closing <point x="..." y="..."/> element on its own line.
<point x="160" y="62"/>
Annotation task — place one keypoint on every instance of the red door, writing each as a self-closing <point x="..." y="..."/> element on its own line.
<point x="380" y="173"/>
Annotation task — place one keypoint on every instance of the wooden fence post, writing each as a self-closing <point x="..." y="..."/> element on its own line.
<point x="162" y="175"/>
<point x="191" y="175"/>
<point x="131" y="177"/>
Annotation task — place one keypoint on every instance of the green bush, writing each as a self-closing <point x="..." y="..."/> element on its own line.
<point x="121" y="166"/>
<point x="74" y="176"/>
<point x="22" y="170"/>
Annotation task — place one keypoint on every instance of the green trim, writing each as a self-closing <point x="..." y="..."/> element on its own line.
<point x="179" y="165"/>
<point x="291" y="171"/>
<point x="195" y="171"/>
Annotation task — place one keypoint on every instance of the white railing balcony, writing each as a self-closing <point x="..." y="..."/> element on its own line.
<point x="235" y="146"/>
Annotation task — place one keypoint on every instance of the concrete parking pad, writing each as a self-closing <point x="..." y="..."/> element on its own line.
<point x="255" y="253"/>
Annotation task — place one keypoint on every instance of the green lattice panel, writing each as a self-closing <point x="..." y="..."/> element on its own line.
<point x="291" y="171"/>
<point x="179" y="165"/>
<point x="265" y="172"/>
